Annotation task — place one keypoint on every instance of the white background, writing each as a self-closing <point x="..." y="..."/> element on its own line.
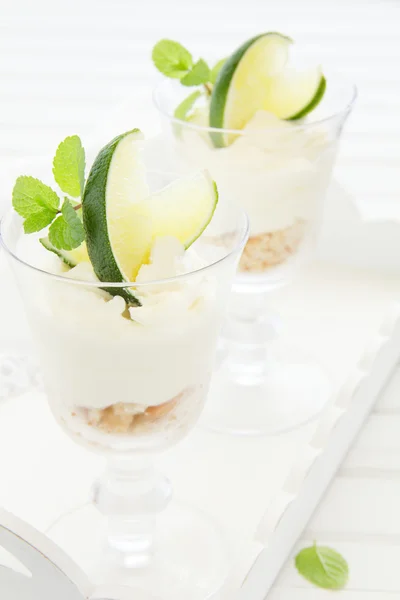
<point x="84" y="67"/>
<point x="66" y="66"/>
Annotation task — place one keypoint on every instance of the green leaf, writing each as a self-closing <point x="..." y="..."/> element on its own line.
<point x="182" y="111"/>
<point x="323" y="567"/>
<point x="39" y="219"/>
<point x="66" y="232"/>
<point x="78" y="211"/>
<point x="69" y="166"/>
<point x="172" y="59"/>
<point x="216" y="69"/>
<point x="200" y="73"/>
<point x="30" y="195"/>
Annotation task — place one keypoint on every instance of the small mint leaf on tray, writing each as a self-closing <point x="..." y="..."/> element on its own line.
<point x="322" y="566"/>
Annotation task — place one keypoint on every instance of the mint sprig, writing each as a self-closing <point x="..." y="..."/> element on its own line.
<point x="30" y="195"/>
<point x="39" y="204"/>
<point x="175" y="61"/>
<point x="199" y="74"/>
<point x="323" y="567"/>
<point x="67" y="232"/>
<point x="172" y="59"/>
<point x="41" y="218"/>
<point x="69" y="166"/>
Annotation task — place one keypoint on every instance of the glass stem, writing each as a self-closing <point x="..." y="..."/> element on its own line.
<point x="247" y="333"/>
<point x="130" y="494"/>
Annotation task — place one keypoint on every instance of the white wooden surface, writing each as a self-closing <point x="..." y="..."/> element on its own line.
<point x="359" y="515"/>
<point x="68" y="67"/>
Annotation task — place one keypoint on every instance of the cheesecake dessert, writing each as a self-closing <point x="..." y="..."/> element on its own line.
<point x="123" y="307"/>
<point x="251" y="122"/>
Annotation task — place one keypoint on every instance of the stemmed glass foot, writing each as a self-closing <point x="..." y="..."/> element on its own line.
<point x="262" y="385"/>
<point x="291" y="390"/>
<point x="133" y="537"/>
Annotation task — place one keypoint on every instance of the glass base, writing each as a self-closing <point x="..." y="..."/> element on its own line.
<point x="191" y="555"/>
<point x="290" y="390"/>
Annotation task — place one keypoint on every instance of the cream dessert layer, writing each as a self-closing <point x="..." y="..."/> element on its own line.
<point x="120" y="366"/>
<point x="278" y="173"/>
<point x="274" y="170"/>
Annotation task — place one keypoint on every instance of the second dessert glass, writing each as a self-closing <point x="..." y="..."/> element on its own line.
<point x="128" y="386"/>
<point x="279" y="172"/>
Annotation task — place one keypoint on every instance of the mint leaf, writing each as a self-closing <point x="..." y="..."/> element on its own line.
<point x="69" y="166"/>
<point x="216" y="69"/>
<point x="171" y="58"/>
<point x="323" y="567"/>
<point x="30" y="196"/>
<point x="39" y="219"/>
<point x="78" y="210"/>
<point x="66" y="232"/>
<point x="200" y="73"/>
<point x="182" y="111"/>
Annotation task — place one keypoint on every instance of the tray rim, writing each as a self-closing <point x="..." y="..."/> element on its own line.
<point x="288" y="514"/>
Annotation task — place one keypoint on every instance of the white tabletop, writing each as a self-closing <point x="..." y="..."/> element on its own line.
<point x="67" y="67"/>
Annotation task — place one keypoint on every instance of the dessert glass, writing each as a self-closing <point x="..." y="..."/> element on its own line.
<point x="130" y="385"/>
<point x="279" y="172"/>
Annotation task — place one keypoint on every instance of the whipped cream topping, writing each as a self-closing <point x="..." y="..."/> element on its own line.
<point x="94" y="355"/>
<point x="276" y="171"/>
<point x="164" y="302"/>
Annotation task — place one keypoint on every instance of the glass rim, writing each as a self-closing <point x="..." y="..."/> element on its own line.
<point x="237" y="249"/>
<point x="346" y="109"/>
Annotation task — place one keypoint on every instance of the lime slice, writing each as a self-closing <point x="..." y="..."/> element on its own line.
<point x="255" y="78"/>
<point x="241" y="85"/>
<point x="293" y="94"/>
<point x="122" y="221"/>
<point x="118" y="235"/>
<point x="70" y="257"/>
<point x="183" y="209"/>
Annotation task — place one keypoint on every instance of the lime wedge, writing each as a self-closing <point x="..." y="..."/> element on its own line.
<point x="118" y="235"/>
<point x="122" y="220"/>
<point x="293" y="94"/>
<point x="241" y="85"/>
<point x="255" y="78"/>
<point x="183" y="209"/>
<point x="70" y="257"/>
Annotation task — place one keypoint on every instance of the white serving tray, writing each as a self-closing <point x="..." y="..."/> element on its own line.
<point x="263" y="490"/>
